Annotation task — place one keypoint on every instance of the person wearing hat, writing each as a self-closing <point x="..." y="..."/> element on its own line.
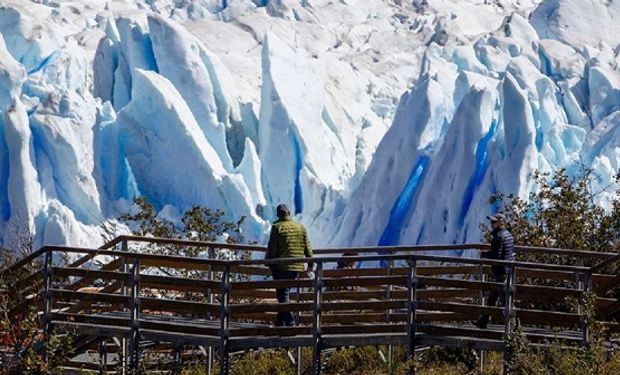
<point x="502" y="248"/>
<point x="288" y="239"/>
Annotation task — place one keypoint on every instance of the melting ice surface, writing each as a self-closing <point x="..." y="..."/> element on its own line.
<point x="376" y="121"/>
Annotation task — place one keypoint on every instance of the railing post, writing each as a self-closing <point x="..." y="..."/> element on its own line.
<point x="483" y="278"/>
<point x="316" y="321"/>
<point x="125" y="290"/>
<point x="578" y="283"/>
<point x="47" y="299"/>
<point x="508" y="313"/>
<point x="134" y="315"/>
<point x="103" y="357"/>
<point x="224" y="322"/>
<point x="211" y="256"/>
<point x="412" y="283"/>
<point x="587" y="277"/>
<point x="298" y="322"/>
<point x="388" y="318"/>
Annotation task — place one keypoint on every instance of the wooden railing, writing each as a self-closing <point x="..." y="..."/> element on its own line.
<point x="420" y="298"/>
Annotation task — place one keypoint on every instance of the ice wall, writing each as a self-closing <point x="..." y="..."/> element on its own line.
<point x="379" y="122"/>
<point x="520" y="103"/>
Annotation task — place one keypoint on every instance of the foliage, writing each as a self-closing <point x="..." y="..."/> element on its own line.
<point x="19" y="236"/>
<point x="347" y="361"/>
<point x="519" y="358"/>
<point x="558" y="359"/>
<point x="463" y="358"/>
<point x="562" y="212"/>
<point x="26" y="349"/>
<point x="196" y="224"/>
<point x="264" y="362"/>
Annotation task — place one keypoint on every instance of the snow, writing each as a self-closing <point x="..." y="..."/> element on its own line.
<point x="579" y="23"/>
<point x="378" y="121"/>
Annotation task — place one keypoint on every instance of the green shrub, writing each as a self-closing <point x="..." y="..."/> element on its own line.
<point x="273" y="362"/>
<point x="356" y="361"/>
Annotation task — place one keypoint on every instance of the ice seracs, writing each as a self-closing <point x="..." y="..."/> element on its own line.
<point x="377" y="121"/>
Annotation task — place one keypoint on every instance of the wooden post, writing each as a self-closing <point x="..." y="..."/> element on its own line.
<point x="177" y="359"/>
<point x="298" y="321"/>
<point x="587" y="277"/>
<point x="411" y="314"/>
<point x="579" y="284"/>
<point x="103" y="357"/>
<point x="134" y="315"/>
<point x="47" y="299"/>
<point x="388" y="317"/>
<point x="483" y="278"/>
<point x="47" y="295"/>
<point x="224" y="322"/>
<point x="211" y="256"/>
<point x="508" y="313"/>
<point x="125" y="290"/>
<point x="316" y="321"/>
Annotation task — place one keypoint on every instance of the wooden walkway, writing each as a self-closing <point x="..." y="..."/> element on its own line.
<point x="124" y="304"/>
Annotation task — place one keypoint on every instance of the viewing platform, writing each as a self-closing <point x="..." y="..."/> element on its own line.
<point x="132" y="310"/>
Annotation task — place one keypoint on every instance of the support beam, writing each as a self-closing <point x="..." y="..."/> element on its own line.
<point x="411" y="315"/>
<point x="388" y="295"/>
<point x="47" y="294"/>
<point x="103" y="357"/>
<point x="508" y="313"/>
<point x="47" y="299"/>
<point x="123" y="356"/>
<point x="224" y="322"/>
<point x="585" y="310"/>
<point x="316" y="321"/>
<point x="297" y="321"/>
<point x="482" y="278"/>
<point x="210" y="277"/>
<point x="134" y="316"/>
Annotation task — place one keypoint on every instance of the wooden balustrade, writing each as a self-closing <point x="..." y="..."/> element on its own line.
<point x="229" y="305"/>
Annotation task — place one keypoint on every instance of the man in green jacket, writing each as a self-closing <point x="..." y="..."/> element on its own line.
<point x="287" y="240"/>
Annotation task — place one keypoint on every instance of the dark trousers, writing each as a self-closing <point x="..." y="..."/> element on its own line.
<point x="495" y="295"/>
<point x="285" y="318"/>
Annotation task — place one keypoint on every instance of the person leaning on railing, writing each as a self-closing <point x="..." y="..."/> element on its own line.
<point x="345" y="264"/>
<point x="502" y="248"/>
<point x="287" y="240"/>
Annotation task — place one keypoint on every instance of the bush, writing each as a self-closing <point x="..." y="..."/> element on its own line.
<point x="349" y="361"/>
<point x="562" y="212"/>
<point x="273" y="362"/>
<point x="28" y="350"/>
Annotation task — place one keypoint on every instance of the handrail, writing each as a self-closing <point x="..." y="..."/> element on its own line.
<point x="103" y="250"/>
<point x="401" y="248"/>
<point x="129" y="254"/>
<point x="181" y="242"/>
<point x="561" y="251"/>
<point x="605" y="263"/>
<point x="283" y="261"/>
<point x="436" y="258"/>
<point x="25" y="260"/>
<point x="362" y="249"/>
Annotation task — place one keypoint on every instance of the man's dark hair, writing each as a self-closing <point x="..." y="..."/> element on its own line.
<point x="282" y="211"/>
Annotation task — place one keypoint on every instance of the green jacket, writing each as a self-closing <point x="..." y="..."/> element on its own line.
<point x="288" y="240"/>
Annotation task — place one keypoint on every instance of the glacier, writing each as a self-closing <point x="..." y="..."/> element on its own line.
<point x="379" y="122"/>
